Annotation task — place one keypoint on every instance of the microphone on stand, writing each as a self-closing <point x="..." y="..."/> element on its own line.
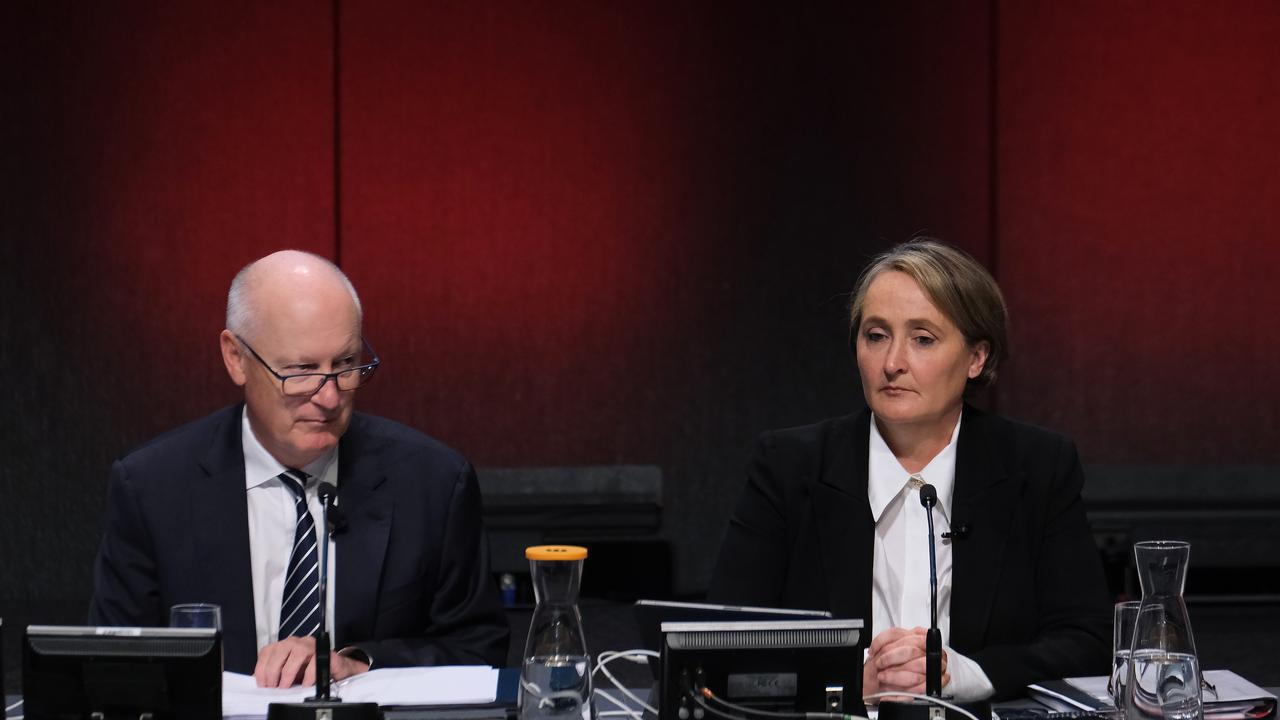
<point x="932" y="639"/>
<point x="327" y="491"/>
<point x="321" y="706"/>
<point x="923" y="709"/>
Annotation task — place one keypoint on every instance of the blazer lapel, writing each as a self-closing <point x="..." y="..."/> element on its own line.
<point x="846" y="529"/>
<point x="984" y="499"/>
<point x="362" y="548"/>
<point x="220" y="531"/>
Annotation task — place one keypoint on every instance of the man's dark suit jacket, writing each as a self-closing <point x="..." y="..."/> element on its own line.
<point x="1028" y="600"/>
<point x="412" y="585"/>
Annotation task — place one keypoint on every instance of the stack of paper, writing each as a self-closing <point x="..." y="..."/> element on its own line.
<point x="242" y="699"/>
<point x="1232" y="697"/>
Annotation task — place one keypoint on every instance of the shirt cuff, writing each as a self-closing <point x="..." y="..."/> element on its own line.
<point x="968" y="682"/>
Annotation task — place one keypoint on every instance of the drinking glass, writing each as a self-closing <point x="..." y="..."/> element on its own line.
<point x="196" y="615"/>
<point x="1126" y="615"/>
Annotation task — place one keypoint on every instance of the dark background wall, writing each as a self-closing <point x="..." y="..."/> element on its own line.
<point x="620" y="233"/>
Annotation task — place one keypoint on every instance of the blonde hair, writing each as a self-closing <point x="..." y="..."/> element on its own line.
<point x="957" y="285"/>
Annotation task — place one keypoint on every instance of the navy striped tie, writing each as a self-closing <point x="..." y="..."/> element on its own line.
<point x="300" y="610"/>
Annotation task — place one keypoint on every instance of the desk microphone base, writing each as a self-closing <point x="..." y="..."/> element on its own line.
<point x="324" y="710"/>
<point x="924" y="710"/>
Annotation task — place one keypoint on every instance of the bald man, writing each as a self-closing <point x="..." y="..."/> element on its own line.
<point x="224" y="510"/>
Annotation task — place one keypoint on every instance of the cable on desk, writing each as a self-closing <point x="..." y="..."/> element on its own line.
<point x="929" y="698"/>
<point x="626" y="709"/>
<point x="636" y="655"/>
<point x="707" y="693"/>
<point x="718" y="713"/>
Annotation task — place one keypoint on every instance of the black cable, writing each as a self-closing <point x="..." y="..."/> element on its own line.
<point x="732" y="706"/>
<point x="714" y="711"/>
<point x="754" y="711"/>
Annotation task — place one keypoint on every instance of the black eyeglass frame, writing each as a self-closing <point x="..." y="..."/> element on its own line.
<point x="365" y="372"/>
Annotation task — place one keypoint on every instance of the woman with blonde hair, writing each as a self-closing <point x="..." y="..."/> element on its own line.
<point x="831" y="516"/>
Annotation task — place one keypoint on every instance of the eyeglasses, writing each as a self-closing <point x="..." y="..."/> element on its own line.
<point x="308" y="384"/>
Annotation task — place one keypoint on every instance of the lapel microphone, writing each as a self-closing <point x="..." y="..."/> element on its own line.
<point x="959" y="532"/>
<point x="337" y="519"/>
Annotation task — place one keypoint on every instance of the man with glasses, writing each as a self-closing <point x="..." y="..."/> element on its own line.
<point x="224" y="510"/>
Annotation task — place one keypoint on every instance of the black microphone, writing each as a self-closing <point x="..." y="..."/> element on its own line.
<point x="327" y="492"/>
<point x="337" y="519"/>
<point x="933" y="638"/>
<point x="959" y="532"/>
<point x="328" y="495"/>
<point x="925" y="709"/>
<point x="322" y="705"/>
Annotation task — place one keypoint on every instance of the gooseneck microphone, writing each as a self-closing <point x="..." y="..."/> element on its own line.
<point x="322" y="705"/>
<point x="928" y="708"/>
<point x="327" y="492"/>
<point x="933" y="638"/>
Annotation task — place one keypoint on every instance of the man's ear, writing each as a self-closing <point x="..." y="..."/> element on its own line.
<point x="978" y="353"/>
<point x="233" y="358"/>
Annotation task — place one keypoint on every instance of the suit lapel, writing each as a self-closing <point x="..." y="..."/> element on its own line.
<point x="846" y="529"/>
<point x="362" y="548"/>
<point x="984" y="499"/>
<point x="220" y="532"/>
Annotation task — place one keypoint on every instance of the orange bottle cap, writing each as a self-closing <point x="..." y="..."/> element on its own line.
<point x="555" y="552"/>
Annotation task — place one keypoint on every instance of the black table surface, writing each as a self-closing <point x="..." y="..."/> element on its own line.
<point x="480" y="714"/>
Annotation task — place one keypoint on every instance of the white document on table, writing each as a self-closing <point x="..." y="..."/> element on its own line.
<point x="452" y="685"/>
<point x="1231" y="697"/>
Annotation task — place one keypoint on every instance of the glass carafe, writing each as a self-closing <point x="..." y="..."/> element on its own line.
<point x="1164" y="671"/>
<point x="555" y="680"/>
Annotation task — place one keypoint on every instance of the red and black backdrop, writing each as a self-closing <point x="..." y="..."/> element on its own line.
<point x="617" y="232"/>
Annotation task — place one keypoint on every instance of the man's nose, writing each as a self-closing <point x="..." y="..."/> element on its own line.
<point x="328" y="395"/>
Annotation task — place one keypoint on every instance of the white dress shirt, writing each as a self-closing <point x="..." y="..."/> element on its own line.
<point x="900" y="569"/>
<point x="273" y="519"/>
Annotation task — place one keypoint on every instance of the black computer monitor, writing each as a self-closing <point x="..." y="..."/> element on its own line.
<point x="73" y="672"/>
<point x="780" y="666"/>
<point x="650" y="614"/>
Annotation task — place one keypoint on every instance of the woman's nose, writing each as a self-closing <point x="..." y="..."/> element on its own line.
<point x="895" y="361"/>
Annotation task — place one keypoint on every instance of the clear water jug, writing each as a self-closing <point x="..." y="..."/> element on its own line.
<point x="555" y="680"/>
<point x="1164" y="670"/>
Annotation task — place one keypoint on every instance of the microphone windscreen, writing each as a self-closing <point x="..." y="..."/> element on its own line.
<point x="337" y="521"/>
<point x="928" y="495"/>
<point x="326" y="490"/>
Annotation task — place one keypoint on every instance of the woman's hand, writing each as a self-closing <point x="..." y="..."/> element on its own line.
<point x="896" y="662"/>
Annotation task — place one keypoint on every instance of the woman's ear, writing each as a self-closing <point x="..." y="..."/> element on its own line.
<point x="978" y="353"/>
